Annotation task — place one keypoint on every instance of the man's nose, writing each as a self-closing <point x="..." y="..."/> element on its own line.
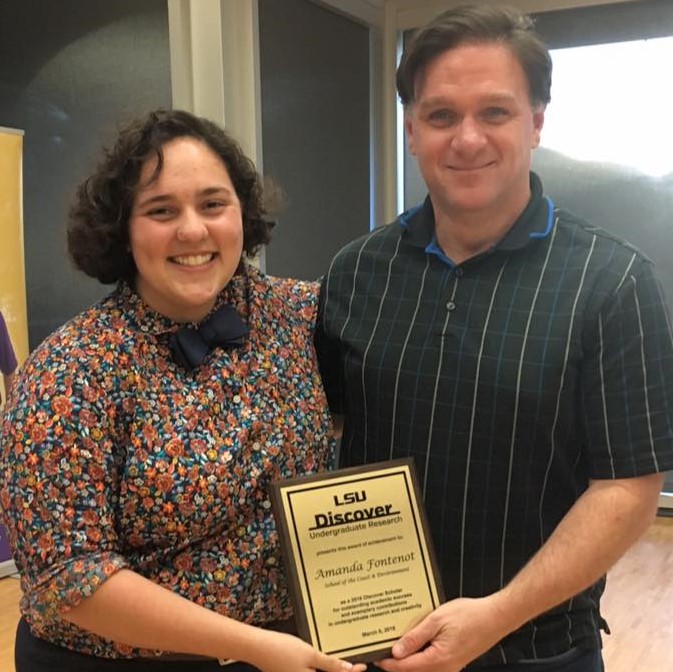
<point x="469" y="135"/>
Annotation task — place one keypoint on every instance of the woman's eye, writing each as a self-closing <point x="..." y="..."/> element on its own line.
<point x="159" y="212"/>
<point x="212" y="205"/>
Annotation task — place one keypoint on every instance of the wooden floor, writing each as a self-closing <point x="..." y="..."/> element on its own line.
<point x="9" y="617"/>
<point x="638" y="604"/>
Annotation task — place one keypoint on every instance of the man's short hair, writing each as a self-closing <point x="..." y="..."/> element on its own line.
<point x="478" y="24"/>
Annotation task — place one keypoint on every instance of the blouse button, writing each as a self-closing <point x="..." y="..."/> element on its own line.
<point x="257" y="445"/>
<point x="450" y="305"/>
<point x="237" y="399"/>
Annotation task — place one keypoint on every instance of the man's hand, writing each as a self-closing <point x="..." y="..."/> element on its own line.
<point x="455" y="633"/>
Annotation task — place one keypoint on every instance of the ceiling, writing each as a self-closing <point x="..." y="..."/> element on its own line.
<point x="413" y="13"/>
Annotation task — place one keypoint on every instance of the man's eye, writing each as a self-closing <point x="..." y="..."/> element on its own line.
<point x="442" y="116"/>
<point x="496" y="113"/>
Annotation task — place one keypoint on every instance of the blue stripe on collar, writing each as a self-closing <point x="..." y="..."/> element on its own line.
<point x="408" y="214"/>
<point x="550" y="221"/>
<point x="434" y="248"/>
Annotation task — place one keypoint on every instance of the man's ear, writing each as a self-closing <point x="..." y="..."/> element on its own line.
<point x="409" y="130"/>
<point x="538" y="123"/>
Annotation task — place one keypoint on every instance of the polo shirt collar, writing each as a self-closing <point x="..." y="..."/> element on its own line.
<point x="536" y="221"/>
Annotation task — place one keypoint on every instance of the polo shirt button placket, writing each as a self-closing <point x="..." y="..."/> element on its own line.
<point x="458" y="272"/>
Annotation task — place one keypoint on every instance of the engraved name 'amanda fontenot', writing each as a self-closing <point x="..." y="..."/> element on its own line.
<point x="367" y="565"/>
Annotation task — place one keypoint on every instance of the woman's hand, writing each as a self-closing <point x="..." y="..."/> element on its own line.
<point x="280" y="652"/>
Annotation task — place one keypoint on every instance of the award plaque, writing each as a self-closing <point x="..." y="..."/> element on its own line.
<point x="359" y="561"/>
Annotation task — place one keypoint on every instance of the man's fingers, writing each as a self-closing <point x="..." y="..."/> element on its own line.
<point x="415" y="639"/>
<point x="423" y="661"/>
<point x="392" y="665"/>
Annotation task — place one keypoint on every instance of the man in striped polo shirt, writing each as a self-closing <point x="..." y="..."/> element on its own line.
<point x="522" y="356"/>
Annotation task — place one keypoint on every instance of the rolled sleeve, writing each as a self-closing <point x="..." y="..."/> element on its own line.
<point x="58" y="477"/>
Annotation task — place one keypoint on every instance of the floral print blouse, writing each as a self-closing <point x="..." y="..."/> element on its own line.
<point x="113" y="456"/>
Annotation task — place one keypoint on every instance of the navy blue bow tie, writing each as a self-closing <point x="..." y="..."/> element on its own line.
<point x="224" y="327"/>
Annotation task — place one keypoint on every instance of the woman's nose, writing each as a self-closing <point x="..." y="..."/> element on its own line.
<point x="191" y="227"/>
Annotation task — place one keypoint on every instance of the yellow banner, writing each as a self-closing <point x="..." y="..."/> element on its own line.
<point x="12" y="267"/>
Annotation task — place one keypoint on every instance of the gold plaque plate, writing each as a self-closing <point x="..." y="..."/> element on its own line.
<point x="360" y="563"/>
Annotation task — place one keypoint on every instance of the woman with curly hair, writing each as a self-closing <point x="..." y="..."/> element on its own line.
<point x="141" y="438"/>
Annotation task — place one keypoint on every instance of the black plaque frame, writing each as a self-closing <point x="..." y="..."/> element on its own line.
<point x="354" y="516"/>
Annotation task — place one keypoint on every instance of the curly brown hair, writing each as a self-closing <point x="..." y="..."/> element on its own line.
<point x="98" y="225"/>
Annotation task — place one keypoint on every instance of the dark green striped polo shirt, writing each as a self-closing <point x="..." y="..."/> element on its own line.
<point x="512" y="378"/>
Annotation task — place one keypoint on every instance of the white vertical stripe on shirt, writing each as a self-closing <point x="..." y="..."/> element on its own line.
<point x="438" y="376"/>
<point x="355" y="275"/>
<point x="606" y="424"/>
<point x="552" y="438"/>
<point x="366" y="352"/>
<point x="350" y="305"/>
<point x="643" y="364"/>
<point x="412" y="322"/>
<point x="664" y="302"/>
<point x="468" y="457"/>
<point x="626" y="273"/>
<point x="517" y="396"/>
